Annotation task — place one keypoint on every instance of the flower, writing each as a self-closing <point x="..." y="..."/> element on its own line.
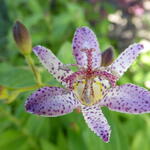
<point x="91" y="87"/>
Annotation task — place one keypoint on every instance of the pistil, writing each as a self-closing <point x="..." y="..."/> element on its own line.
<point x="88" y="53"/>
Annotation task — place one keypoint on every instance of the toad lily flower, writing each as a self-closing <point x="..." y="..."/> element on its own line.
<point x="91" y="87"/>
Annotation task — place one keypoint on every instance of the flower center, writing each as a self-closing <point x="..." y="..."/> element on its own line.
<point x="89" y="91"/>
<point x="89" y="84"/>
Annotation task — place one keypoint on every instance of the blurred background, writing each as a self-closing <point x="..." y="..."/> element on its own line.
<point x="52" y="23"/>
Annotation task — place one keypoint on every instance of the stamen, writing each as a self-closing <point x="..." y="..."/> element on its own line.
<point x="111" y="78"/>
<point x="74" y="77"/>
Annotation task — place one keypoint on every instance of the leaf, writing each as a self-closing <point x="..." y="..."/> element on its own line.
<point x="15" y="77"/>
<point x="140" y="142"/>
<point x="38" y="126"/>
<point x="61" y="141"/>
<point x="47" y="145"/>
<point x="65" y="53"/>
<point x="11" y="140"/>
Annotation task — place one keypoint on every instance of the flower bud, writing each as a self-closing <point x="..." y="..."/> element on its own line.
<point x="22" y="38"/>
<point x="107" y="57"/>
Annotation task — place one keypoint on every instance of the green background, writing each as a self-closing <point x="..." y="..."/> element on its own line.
<point x="52" y="23"/>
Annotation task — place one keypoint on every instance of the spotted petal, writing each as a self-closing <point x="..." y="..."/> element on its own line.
<point x="97" y="121"/>
<point x="51" y="101"/>
<point x="128" y="98"/>
<point x="85" y="38"/>
<point x="126" y="58"/>
<point x="52" y="63"/>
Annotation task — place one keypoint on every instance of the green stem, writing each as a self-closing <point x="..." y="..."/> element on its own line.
<point x="25" y="89"/>
<point x="16" y="91"/>
<point x="34" y="69"/>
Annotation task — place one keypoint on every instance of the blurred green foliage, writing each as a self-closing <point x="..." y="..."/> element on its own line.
<point x="52" y="23"/>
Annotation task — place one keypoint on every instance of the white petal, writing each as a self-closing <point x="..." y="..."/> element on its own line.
<point x="51" y="101"/>
<point x="97" y="121"/>
<point x="127" y="98"/>
<point x="52" y="63"/>
<point x="85" y="38"/>
<point x="125" y="59"/>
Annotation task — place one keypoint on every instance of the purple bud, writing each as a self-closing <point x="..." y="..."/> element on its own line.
<point x="22" y="38"/>
<point x="107" y="57"/>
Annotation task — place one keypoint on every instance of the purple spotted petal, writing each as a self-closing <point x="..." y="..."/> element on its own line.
<point x="51" y="101"/>
<point x="85" y="38"/>
<point x="96" y="121"/>
<point x="125" y="59"/>
<point x="52" y="63"/>
<point x="128" y="98"/>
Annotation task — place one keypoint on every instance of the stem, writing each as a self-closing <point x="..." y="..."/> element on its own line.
<point x="34" y="69"/>
<point x="16" y="91"/>
<point x="25" y="89"/>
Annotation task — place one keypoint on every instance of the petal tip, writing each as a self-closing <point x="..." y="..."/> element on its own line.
<point x="40" y="50"/>
<point x="141" y="46"/>
<point x="37" y="48"/>
<point x="106" y="140"/>
<point x="106" y="136"/>
<point x="29" y="105"/>
<point x="83" y="29"/>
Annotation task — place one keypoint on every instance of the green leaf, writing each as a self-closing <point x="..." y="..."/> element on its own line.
<point x="11" y="140"/>
<point x="15" y="77"/>
<point x="47" y="145"/>
<point x="65" y="53"/>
